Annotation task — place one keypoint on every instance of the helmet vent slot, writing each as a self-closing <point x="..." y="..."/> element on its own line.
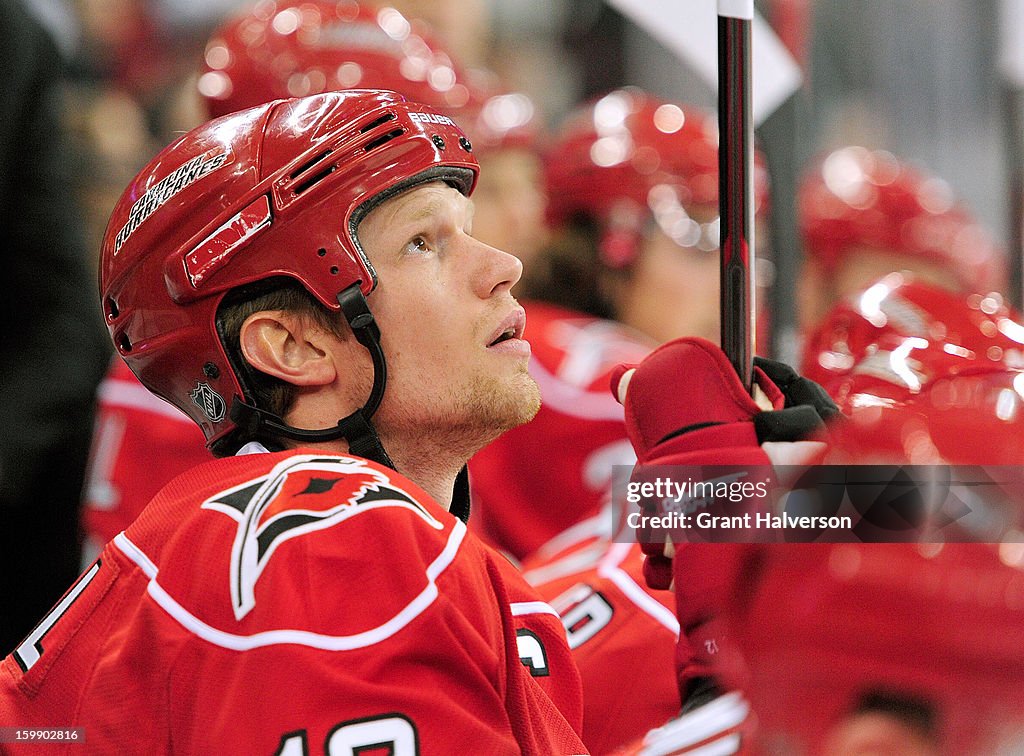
<point x="380" y="121"/>
<point x="383" y="139"/>
<point x="312" y="180"/>
<point x="306" y="166"/>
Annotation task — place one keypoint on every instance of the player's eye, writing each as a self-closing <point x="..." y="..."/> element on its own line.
<point x="417" y="246"/>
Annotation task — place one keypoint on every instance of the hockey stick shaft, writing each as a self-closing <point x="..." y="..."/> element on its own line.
<point x="736" y="185"/>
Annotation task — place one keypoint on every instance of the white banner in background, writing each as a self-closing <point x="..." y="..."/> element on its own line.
<point x="689" y="28"/>
<point x="1011" y="41"/>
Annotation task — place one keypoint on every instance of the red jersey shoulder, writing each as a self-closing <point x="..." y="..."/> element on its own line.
<point x="331" y="551"/>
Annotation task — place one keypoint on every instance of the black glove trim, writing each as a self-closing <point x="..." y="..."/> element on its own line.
<point x="687" y="429"/>
<point x="791" y="424"/>
<point x="699" y="691"/>
<point x="798" y="390"/>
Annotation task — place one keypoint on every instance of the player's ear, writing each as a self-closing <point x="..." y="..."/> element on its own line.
<point x="288" y="346"/>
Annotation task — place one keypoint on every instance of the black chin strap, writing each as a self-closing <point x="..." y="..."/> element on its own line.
<point x="357" y="429"/>
<point x="460" y="495"/>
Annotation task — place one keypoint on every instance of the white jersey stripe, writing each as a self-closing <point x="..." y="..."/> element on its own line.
<point x="519" y="608"/>
<point x="320" y="641"/>
<point x="609" y="568"/>
<point x="136" y="554"/>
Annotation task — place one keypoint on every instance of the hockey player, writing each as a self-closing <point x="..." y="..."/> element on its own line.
<point x="299" y="279"/>
<point x="282" y="49"/>
<point x="269" y="273"/>
<point x="864" y="214"/>
<point x="632" y="183"/>
<point x="633" y="187"/>
<point x="931" y="379"/>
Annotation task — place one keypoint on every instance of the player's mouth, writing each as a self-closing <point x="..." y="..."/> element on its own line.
<point x="508" y="336"/>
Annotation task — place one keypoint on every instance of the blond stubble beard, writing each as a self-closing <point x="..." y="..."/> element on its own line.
<point x="473" y="418"/>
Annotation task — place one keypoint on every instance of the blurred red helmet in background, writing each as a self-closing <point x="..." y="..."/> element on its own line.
<point x="629" y="156"/>
<point x="855" y="197"/>
<point x="293" y="48"/>
<point x="925" y="374"/>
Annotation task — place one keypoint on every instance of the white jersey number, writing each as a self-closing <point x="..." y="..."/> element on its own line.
<point x="584" y="612"/>
<point x="391" y="731"/>
<point x="30" y="650"/>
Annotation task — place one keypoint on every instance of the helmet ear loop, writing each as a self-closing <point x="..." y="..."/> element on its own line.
<point x="618" y="247"/>
<point x="617" y="250"/>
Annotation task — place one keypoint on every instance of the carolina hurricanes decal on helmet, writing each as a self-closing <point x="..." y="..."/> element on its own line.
<point x="167" y="187"/>
<point x="301" y="495"/>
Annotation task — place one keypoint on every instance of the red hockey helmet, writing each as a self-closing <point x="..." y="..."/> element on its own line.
<point x="294" y="48"/>
<point x="277" y="190"/>
<point x="858" y="197"/>
<point x="926" y="375"/>
<point x="498" y="120"/>
<point x="628" y="156"/>
<point x="960" y="333"/>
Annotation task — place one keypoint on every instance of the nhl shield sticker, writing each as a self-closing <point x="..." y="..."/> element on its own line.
<point x="209" y="401"/>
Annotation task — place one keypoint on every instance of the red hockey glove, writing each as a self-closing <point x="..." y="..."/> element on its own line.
<point x="685" y="405"/>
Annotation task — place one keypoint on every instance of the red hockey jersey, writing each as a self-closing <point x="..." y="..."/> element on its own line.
<point x="140" y="443"/>
<point x="555" y="471"/>
<point x="297" y="603"/>
<point x="623" y="635"/>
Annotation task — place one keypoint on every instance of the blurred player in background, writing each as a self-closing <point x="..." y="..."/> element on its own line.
<point x="632" y="183"/>
<point x="864" y="214"/>
<point x="804" y="629"/>
<point x="633" y="192"/>
<point x="904" y="330"/>
<point x="924" y="376"/>
<point x="927" y="377"/>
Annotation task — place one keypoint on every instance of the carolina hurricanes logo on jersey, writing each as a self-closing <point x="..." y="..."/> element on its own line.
<point x="301" y="495"/>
